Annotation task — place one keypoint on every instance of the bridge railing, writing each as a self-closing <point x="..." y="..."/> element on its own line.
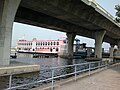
<point x="75" y="68"/>
<point x="105" y="12"/>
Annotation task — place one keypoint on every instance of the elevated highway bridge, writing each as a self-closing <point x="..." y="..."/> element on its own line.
<point x="75" y="17"/>
<point x="72" y="16"/>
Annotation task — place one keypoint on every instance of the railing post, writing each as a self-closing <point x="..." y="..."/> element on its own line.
<point x="10" y="82"/>
<point x="52" y="78"/>
<point x="99" y="64"/>
<point x="75" y="72"/>
<point x="89" y="67"/>
<point x="106" y="64"/>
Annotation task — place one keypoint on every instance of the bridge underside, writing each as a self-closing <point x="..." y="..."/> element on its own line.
<point x="67" y="16"/>
<point x="75" y="17"/>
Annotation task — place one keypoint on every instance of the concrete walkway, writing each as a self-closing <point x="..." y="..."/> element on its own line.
<point x="105" y="80"/>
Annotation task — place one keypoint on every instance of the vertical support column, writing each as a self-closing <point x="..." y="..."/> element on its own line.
<point x="111" y="49"/>
<point x="8" y="10"/>
<point x="118" y="51"/>
<point x="71" y="37"/>
<point x="98" y="43"/>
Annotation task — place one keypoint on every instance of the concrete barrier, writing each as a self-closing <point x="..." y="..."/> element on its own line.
<point x="18" y="68"/>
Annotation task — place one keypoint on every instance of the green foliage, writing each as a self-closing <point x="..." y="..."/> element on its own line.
<point x="117" y="7"/>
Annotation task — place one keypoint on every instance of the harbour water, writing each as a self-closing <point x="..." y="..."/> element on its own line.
<point x="45" y="63"/>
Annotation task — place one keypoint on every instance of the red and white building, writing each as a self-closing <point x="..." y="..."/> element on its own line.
<point x="41" y="46"/>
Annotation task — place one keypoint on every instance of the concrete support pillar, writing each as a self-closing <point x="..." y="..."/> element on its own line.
<point x="118" y="50"/>
<point x="8" y="10"/>
<point x="98" y="43"/>
<point x="111" y="50"/>
<point x="71" y="37"/>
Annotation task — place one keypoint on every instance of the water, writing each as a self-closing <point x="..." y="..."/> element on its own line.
<point x="45" y="63"/>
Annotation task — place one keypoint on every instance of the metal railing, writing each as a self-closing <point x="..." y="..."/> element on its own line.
<point x="105" y="12"/>
<point x="102" y="9"/>
<point x="91" y="66"/>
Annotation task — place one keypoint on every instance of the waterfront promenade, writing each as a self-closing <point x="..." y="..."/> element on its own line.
<point x="105" y="80"/>
<point x="108" y="79"/>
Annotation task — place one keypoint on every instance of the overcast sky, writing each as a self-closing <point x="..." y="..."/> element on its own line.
<point x="29" y="32"/>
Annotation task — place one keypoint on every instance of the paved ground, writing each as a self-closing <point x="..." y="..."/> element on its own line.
<point x="105" y="80"/>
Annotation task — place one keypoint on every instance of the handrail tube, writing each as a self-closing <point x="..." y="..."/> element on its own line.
<point x="69" y="65"/>
<point x="82" y="70"/>
<point x="100" y="64"/>
<point x="57" y="67"/>
<point x="94" y="67"/>
<point x="64" y="75"/>
<point x="29" y="84"/>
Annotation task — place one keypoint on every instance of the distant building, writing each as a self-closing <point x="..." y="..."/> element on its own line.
<point x="46" y="46"/>
<point x="40" y="46"/>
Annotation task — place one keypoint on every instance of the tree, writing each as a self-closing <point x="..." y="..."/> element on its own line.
<point x="117" y="7"/>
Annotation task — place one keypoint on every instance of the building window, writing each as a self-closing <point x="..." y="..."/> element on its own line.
<point x="51" y="43"/>
<point x="54" y="43"/>
<point x="64" y="41"/>
<point x="41" y="43"/>
<point x="38" y="43"/>
<point x="45" y="43"/>
<point x="48" y="43"/>
<point x="57" y="43"/>
<point x="50" y="49"/>
<point x="57" y="49"/>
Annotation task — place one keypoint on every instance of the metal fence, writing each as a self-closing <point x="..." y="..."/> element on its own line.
<point x="105" y="12"/>
<point x="75" y="68"/>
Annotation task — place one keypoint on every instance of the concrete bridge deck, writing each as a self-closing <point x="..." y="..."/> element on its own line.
<point x="108" y="79"/>
<point x="105" y="80"/>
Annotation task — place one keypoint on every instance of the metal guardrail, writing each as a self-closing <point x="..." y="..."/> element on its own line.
<point x="100" y="64"/>
<point x="105" y="12"/>
<point x="101" y="8"/>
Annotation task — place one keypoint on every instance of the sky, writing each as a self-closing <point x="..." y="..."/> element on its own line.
<point x="29" y="32"/>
